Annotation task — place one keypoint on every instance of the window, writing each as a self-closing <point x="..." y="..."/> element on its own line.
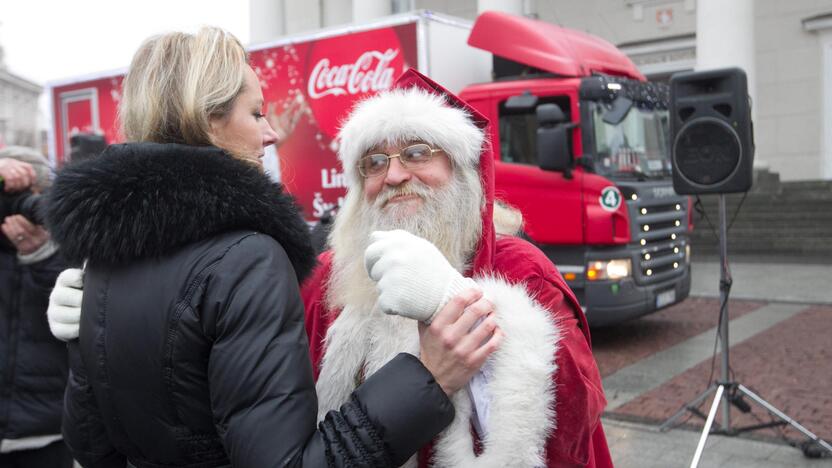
<point x="635" y="146"/>
<point x="518" y="131"/>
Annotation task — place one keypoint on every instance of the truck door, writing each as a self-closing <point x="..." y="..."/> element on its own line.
<point x="550" y="201"/>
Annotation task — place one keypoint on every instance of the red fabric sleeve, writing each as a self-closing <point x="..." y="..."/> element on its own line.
<point x="318" y="318"/>
<point x="578" y="439"/>
<point x="579" y="397"/>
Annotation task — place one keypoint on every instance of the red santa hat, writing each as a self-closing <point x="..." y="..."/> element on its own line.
<point x="415" y="109"/>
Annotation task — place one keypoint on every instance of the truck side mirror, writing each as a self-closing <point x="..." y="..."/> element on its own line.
<point x="553" y="139"/>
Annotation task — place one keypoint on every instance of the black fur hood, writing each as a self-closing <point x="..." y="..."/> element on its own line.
<point x="141" y="200"/>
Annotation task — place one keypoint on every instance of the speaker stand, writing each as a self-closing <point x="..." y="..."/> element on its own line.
<point x="729" y="392"/>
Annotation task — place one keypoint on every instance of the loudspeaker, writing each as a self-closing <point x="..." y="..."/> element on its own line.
<point x="711" y="134"/>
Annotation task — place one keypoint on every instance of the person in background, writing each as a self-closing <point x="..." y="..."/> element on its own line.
<point x="191" y="348"/>
<point x="33" y="364"/>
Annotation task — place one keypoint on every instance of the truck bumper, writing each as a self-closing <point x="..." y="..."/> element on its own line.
<point x="611" y="302"/>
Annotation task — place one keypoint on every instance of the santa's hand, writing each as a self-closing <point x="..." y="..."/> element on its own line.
<point x="64" y="312"/>
<point x="412" y="276"/>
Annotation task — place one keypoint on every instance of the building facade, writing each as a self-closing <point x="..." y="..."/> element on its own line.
<point x="18" y="109"/>
<point x="784" y="46"/>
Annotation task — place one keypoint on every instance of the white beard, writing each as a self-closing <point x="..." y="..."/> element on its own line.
<point x="362" y="339"/>
<point x="450" y="218"/>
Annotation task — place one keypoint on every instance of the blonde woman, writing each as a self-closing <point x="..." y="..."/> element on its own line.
<point x="192" y="349"/>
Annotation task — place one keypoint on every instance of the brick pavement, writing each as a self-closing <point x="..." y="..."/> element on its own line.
<point x="788" y="365"/>
<point x="640" y="446"/>
<point x="617" y="347"/>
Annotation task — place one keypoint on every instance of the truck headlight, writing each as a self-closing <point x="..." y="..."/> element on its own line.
<point x="609" y="270"/>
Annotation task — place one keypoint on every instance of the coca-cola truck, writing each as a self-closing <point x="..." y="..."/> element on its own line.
<point x="579" y="137"/>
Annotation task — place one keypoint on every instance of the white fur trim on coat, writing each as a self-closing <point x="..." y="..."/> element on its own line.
<point x="520" y="383"/>
<point x="402" y="115"/>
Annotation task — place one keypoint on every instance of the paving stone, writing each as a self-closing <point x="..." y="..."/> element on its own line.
<point x="628" y="383"/>
<point x="795" y="378"/>
<point x="627" y="343"/>
<point x="640" y="446"/>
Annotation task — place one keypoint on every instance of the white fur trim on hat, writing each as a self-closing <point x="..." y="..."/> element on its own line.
<point x="401" y="115"/>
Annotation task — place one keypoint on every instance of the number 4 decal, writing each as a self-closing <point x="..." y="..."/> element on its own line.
<point x="610" y="199"/>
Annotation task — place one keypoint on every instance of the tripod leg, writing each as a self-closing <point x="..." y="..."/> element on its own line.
<point x="688" y="407"/>
<point x="707" y="429"/>
<point x="776" y="412"/>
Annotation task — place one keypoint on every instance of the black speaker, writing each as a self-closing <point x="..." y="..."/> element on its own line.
<point x="711" y="134"/>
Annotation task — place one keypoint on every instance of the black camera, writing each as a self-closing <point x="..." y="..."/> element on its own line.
<point x="85" y="146"/>
<point x="29" y="205"/>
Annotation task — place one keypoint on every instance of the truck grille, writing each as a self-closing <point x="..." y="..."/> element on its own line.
<point x="660" y="230"/>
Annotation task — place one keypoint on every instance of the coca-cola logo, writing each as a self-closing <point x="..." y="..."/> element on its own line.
<point x="342" y="70"/>
<point x="370" y="72"/>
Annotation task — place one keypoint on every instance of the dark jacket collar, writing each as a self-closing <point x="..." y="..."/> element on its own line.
<point x="141" y="200"/>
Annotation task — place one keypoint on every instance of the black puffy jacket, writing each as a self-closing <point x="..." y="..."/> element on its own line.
<point x="33" y="366"/>
<point x="192" y="347"/>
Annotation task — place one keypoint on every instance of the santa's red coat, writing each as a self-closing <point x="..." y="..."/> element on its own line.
<point x="578" y="439"/>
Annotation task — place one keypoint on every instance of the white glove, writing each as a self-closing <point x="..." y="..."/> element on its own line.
<point x="412" y="276"/>
<point x="64" y="312"/>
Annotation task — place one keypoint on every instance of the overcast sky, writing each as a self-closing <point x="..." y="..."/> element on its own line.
<point x="52" y="40"/>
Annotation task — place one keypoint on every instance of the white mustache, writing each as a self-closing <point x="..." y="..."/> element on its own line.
<point x="411" y="188"/>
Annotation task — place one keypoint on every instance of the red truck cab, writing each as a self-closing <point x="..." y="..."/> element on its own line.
<point x="581" y="147"/>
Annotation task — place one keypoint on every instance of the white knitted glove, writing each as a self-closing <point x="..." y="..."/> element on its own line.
<point x="412" y="276"/>
<point x="64" y="312"/>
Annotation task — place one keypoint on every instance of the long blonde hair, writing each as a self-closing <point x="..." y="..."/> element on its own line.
<point x="178" y="82"/>
<point x="508" y="220"/>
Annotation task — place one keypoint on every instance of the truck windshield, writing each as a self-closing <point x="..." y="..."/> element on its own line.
<point x="636" y="147"/>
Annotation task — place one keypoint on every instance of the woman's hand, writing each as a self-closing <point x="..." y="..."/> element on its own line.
<point x="459" y="340"/>
<point x="64" y="312"/>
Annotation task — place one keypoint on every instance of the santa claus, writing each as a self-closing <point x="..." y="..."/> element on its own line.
<point x="417" y="228"/>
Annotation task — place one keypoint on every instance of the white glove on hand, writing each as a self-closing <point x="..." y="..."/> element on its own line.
<point x="412" y="276"/>
<point x="64" y="312"/>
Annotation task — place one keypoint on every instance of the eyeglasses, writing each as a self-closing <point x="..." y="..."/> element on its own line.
<point x="412" y="156"/>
